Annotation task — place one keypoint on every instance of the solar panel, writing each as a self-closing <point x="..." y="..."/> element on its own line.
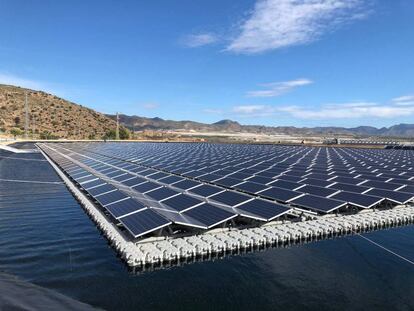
<point x="206" y="190"/>
<point x="143" y="222"/>
<point x="361" y="200"/>
<point x="381" y="185"/>
<point x="394" y="196"/>
<point x="348" y="187"/>
<point x="284" y="184"/>
<point x="260" y="180"/>
<point x="162" y="193"/>
<point x="316" y="182"/>
<point x="230" y="198"/>
<point x="251" y="187"/>
<point x="227" y="181"/>
<point x="124" y="177"/>
<point x="280" y="194"/>
<point x="181" y="202"/>
<point x="262" y="210"/>
<point x="348" y="180"/>
<point x="320" y="191"/>
<point x="100" y="189"/>
<point x="92" y="184"/>
<point x="171" y="179"/>
<point x="110" y="197"/>
<point x="209" y="215"/>
<point x="124" y="207"/>
<point x="317" y="203"/>
<point x="186" y="184"/>
<point x="133" y="181"/>
<point x="146" y="186"/>
<point x="408" y="189"/>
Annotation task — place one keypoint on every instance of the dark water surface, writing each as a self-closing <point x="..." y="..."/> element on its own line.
<point x="47" y="239"/>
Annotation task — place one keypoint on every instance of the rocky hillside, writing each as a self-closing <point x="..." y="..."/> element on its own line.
<point x="49" y="115"/>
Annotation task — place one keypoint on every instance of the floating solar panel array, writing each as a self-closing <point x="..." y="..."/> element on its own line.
<point x="147" y="186"/>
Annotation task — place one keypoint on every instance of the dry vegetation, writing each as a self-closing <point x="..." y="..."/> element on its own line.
<point x="49" y="116"/>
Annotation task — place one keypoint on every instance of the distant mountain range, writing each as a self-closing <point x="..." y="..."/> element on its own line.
<point x="141" y="123"/>
<point x="61" y="118"/>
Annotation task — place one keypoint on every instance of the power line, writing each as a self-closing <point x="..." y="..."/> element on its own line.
<point x="386" y="249"/>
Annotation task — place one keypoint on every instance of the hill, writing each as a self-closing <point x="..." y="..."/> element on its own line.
<point x="49" y="115"/>
<point x="141" y="123"/>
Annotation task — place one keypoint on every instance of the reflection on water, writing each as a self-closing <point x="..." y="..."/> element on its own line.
<point x="46" y="238"/>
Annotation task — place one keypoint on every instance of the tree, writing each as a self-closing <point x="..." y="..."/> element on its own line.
<point x="17" y="121"/>
<point x="16" y="132"/>
<point x="111" y="134"/>
<point x="123" y="133"/>
<point x="48" y="135"/>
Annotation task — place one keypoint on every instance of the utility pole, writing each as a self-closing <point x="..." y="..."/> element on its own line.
<point x="26" y="120"/>
<point x="117" y="126"/>
<point x="33" y="126"/>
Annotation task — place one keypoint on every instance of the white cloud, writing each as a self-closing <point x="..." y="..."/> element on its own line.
<point x="275" y="24"/>
<point x="197" y="40"/>
<point x="278" y="88"/>
<point x="352" y="110"/>
<point x="213" y="111"/>
<point x="407" y="100"/>
<point x="348" y="111"/>
<point x="150" y="106"/>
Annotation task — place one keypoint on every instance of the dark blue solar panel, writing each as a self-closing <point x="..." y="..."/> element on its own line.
<point x="316" y="182"/>
<point x="280" y="194"/>
<point x="206" y="190"/>
<point x="318" y="204"/>
<point x="209" y="215"/>
<point x="124" y="207"/>
<point x="171" y="179"/>
<point x="145" y="187"/>
<point x="110" y="197"/>
<point x="361" y="200"/>
<point x="227" y="182"/>
<point x="251" y="187"/>
<point x="159" y="175"/>
<point x="161" y="193"/>
<point x="100" y="189"/>
<point x="381" y="185"/>
<point x="230" y="198"/>
<point x="348" y="180"/>
<point x="181" y="202"/>
<point x="394" y="196"/>
<point x="92" y="184"/>
<point x="186" y="184"/>
<point x="285" y="184"/>
<point x="349" y="187"/>
<point x="143" y="222"/>
<point x="323" y="192"/>
<point x="263" y="209"/>
<point x="133" y="181"/>
<point x="408" y="189"/>
<point x="260" y="180"/>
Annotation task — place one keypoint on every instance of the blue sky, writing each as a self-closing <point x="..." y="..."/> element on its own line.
<point x="271" y="62"/>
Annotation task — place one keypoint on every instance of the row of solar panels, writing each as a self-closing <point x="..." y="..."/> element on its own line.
<point x="177" y="168"/>
<point x="140" y="218"/>
<point x="304" y="196"/>
<point x="355" y="191"/>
